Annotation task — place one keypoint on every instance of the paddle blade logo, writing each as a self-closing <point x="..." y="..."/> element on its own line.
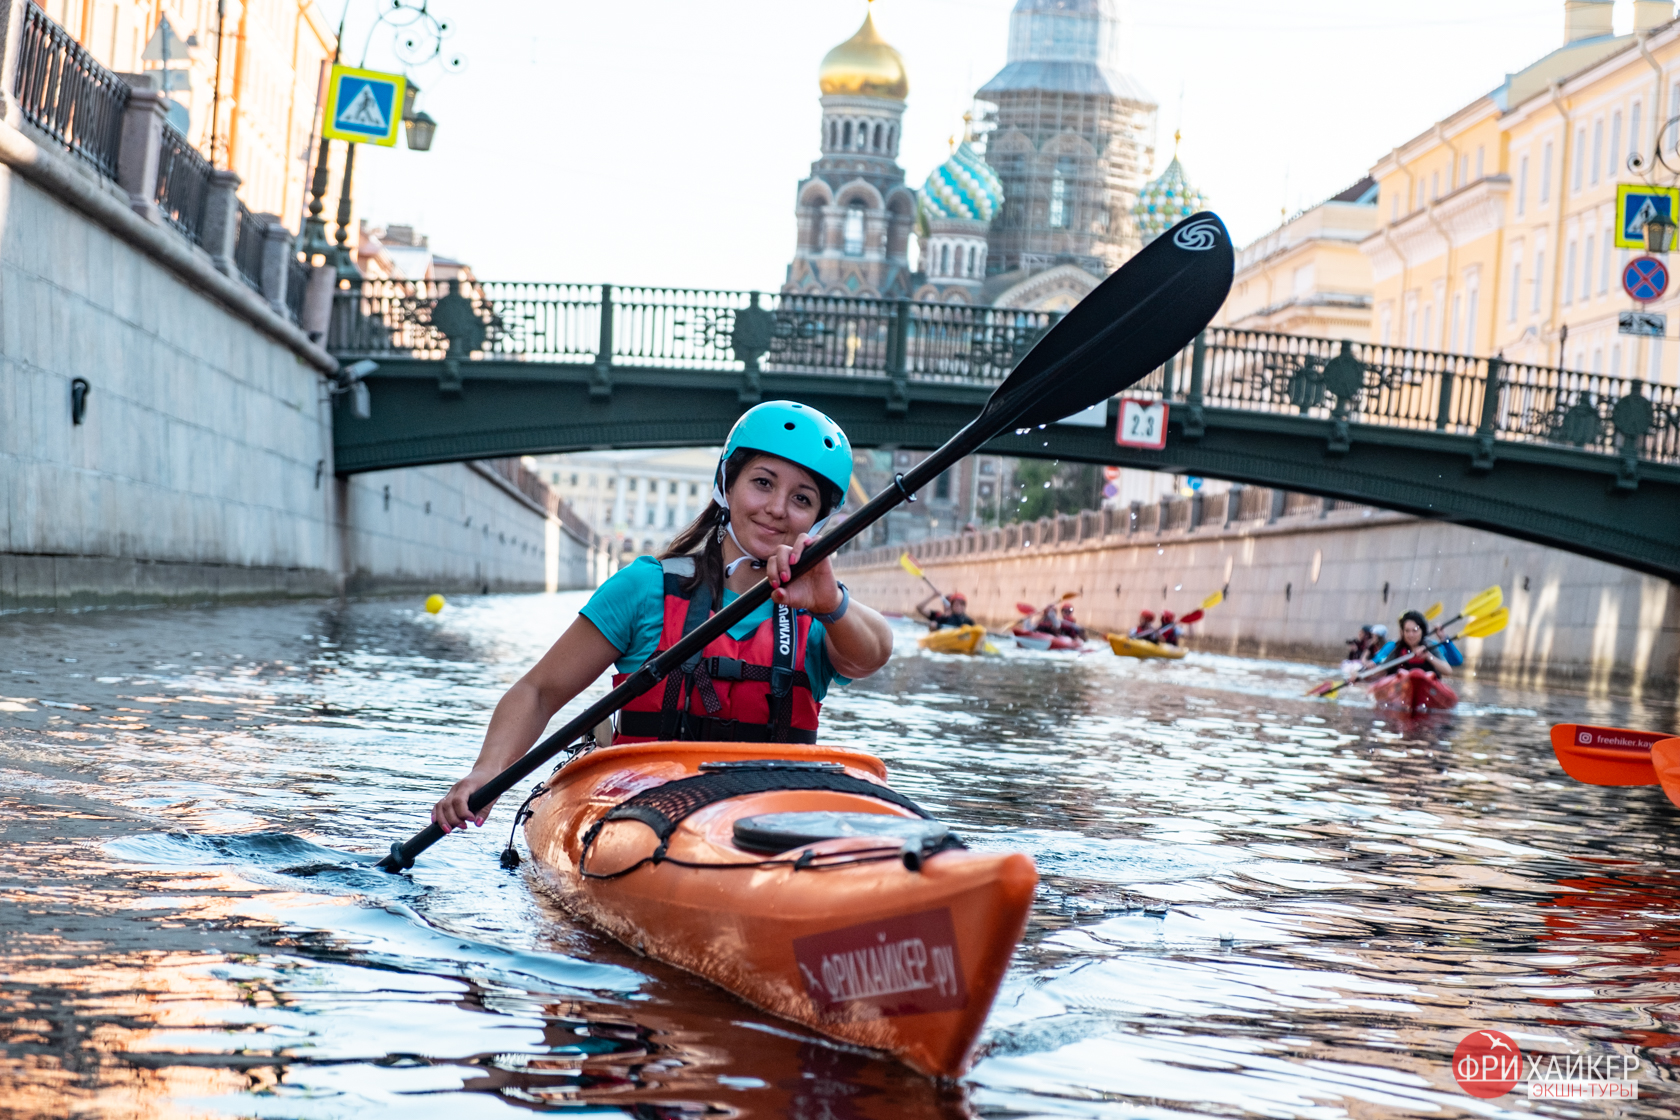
<point x="1197" y="236"/>
<point x="1486" y="1064"/>
<point x="897" y="966"/>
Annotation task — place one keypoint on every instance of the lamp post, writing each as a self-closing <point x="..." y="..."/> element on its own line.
<point x="1659" y="233"/>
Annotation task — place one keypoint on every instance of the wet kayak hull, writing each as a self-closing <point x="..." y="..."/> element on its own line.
<point x="954" y="639"/>
<point x="1414" y="691"/>
<point x="1124" y="646"/>
<point x="872" y="953"/>
<point x="1036" y="640"/>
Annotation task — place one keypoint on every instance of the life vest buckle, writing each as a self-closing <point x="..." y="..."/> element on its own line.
<point x="723" y="668"/>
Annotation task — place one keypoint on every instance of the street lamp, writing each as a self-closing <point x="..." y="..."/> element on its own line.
<point x="420" y="128"/>
<point x="1659" y="233"/>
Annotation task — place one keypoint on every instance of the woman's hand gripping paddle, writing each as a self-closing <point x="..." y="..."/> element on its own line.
<point x="1149" y="310"/>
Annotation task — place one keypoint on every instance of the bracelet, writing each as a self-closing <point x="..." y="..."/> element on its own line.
<point x="839" y="612"/>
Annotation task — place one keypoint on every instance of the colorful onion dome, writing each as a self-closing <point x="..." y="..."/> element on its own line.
<point x="963" y="187"/>
<point x="864" y="65"/>
<point x="1167" y="200"/>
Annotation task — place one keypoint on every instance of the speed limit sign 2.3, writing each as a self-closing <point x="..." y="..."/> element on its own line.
<point x="1143" y="423"/>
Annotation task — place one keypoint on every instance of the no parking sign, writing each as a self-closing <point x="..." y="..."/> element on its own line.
<point x="1645" y="279"/>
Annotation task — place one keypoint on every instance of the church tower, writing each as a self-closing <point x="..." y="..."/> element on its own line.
<point x="953" y="213"/>
<point x="1073" y="139"/>
<point x="854" y="212"/>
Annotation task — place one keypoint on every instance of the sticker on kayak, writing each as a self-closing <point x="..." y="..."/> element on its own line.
<point x="896" y="966"/>
<point x="1617" y="738"/>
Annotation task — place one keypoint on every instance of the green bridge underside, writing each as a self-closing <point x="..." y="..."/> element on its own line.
<point x="1580" y="501"/>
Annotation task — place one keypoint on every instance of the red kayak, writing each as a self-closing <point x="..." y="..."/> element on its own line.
<point x="1414" y="691"/>
<point x="1036" y="639"/>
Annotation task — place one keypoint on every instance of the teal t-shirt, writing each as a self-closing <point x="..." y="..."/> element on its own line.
<point x="629" y="611"/>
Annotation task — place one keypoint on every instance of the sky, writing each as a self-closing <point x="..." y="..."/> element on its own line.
<point x="659" y="142"/>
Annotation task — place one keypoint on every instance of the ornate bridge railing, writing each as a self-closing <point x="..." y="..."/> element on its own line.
<point x="1348" y="383"/>
<point x="683" y="328"/>
<point x="1388" y="386"/>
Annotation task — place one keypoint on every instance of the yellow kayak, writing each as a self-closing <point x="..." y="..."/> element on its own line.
<point x="954" y="639"/>
<point x="1139" y="647"/>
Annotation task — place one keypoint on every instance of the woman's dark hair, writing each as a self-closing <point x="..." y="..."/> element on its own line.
<point x="700" y="538"/>
<point x="1417" y="617"/>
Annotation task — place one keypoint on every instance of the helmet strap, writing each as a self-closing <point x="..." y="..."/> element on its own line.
<point x="729" y="569"/>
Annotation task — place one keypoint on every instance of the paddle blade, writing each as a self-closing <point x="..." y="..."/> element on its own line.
<point x="1608" y="756"/>
<point x="1193" y="616"/>
<point x="909" y="565"/>
<point x="1146" y="312"/>
<point x="1485" y="602"/>
<point x="1483" y="627"/>
<point x="1434" y="611"/>
<point x="1066" y="595"/>
<point x="1213" y="600"/>
<point x="1026" y="608"/>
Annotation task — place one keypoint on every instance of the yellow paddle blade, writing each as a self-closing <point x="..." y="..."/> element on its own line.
<point x="990" y="648"/>
<point x="1213" y="600"/>
<point x="1491" y="624"/>
<point x="1434" y="610"/>
<point x="1485" y="602"/>
<point x="857" y="488"/>
<point x="909" y="565"/>
<point x="1066" y="595"/>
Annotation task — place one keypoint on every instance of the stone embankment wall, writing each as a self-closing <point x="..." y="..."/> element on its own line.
<point x="202" y="467"/>
<point x="1301" y="575"/>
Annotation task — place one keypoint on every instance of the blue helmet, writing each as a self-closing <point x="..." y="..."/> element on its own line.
<point x="795" y="432"/>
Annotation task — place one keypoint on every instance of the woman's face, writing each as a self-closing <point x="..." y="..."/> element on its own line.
<point x="1412" y="632"/>
<point x="772" y="503"/>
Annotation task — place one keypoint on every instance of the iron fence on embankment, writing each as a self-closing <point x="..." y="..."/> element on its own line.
<point x="904" y="342"/>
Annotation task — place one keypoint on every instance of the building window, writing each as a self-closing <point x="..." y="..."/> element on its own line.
<point x="1604" y="267"/>
<point x="1058" y="201"/>
<point x="1597" y="150"/>
<point x="1457" y="324"/>
<point x="1428" y="339"/>
<point x="1615" y="145"/>
<point x="877" y="139"/>
<point x="944" y="260"/>
<point x="1546" y="172"/>
<point x="632" y="486"/>
<point x="652" y="514"/>
<point x="854" y="231"/>
<point x="1539" y="271"/>
<point x="1633" y="128"/>
<point x="1674" y="111"/>
<point x="1516" y="286"/>
<point x="1580" y="156"/>
<point x="846" y="135"/>
<point x="1470" y="324"/>
<point x="942" y="487"/>
<point x="1522" y="185"/>
<point x="1480" y="152"/>
<point x="1586" y="268"/>
<point x="671" y="517"/>
<point x="694" y="489"/>
<point x="1569" y="275"/>
<point x="1434" y="185"/>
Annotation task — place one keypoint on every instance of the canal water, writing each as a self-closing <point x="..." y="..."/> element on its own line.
<point x="1253" y="903"/>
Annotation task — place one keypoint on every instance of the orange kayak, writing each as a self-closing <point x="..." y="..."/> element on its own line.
<point x="1665" y="760"/>
<point x="1606" y="756"/>
<point x="835" y="904"/>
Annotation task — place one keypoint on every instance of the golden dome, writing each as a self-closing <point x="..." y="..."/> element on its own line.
<point x="864" y="65"/>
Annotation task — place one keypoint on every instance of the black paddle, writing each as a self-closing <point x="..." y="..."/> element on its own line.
<point x="1131" y="324"/>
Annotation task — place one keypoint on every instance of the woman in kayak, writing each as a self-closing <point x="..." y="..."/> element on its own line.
<point x="784" y="470"/>
<point x="1145" y="628"/>
<point x="956" y="615"/>
<point x="1417" y="655"/>
<point x="1049" y="622"/>
<point x="1169" y="633"/>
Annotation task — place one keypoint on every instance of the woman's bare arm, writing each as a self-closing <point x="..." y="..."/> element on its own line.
<point x="572" y="664"/>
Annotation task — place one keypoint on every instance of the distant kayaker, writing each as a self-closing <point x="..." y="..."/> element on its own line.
<point x="1145" y="628"/>
<point x="1070" y="627"/>
<point x="1417" y="655"/>
<point x="1372" y="637"/>
<point x="1168" y="635"/>
<point x="1049" y="622"/>
<point x="955" y="614"/>
<point x="784" y="470"/>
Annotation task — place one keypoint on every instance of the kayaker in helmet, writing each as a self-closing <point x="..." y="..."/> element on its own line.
<point x="1169" y="633"/>
<point x="1410" y="646"/>
<point x="784" y="470"/>
<point x="1378" y="639"/>
<point x="1069" y="626"/>
<point x="955" y="614"/>
<point x="1145" y="628"/>
<point x="1049" y="622"/>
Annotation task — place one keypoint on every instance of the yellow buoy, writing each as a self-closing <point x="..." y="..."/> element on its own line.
<point x="434" y="603"/>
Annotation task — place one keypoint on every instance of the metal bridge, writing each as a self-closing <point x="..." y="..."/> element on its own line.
<point x="473" y="370"/>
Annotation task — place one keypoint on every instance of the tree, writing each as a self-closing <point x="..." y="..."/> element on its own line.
<point x="1046" y="487"/>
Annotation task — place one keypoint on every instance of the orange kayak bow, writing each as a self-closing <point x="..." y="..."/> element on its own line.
<point x="831" y="905"/>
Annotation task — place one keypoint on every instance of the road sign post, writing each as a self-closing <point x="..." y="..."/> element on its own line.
<point x="363" y="106"/>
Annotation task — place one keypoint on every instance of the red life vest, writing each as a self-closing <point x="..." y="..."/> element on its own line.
<point x="754" y="690"/>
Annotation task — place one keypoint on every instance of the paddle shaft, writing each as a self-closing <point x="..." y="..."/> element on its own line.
<point x="658" y="667"/>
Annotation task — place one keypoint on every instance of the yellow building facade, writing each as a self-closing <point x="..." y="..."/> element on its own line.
<point x="1496" y="227"/>
<point x="274" y="56"/>
<point x="1308" y="276"/>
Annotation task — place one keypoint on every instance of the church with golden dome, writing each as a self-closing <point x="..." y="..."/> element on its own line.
<point x="855" y="215"/>
<point x="1036" y="205"/>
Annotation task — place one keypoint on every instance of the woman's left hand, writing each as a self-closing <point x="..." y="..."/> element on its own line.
<point x="816" y="591"/>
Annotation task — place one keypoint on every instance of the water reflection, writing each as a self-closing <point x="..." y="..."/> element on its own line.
<point x="1252" y="903"/>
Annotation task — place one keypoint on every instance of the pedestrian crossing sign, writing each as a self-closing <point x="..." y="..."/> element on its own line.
<point x="1636" y="203"/>
<point x="363" y="106"/>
